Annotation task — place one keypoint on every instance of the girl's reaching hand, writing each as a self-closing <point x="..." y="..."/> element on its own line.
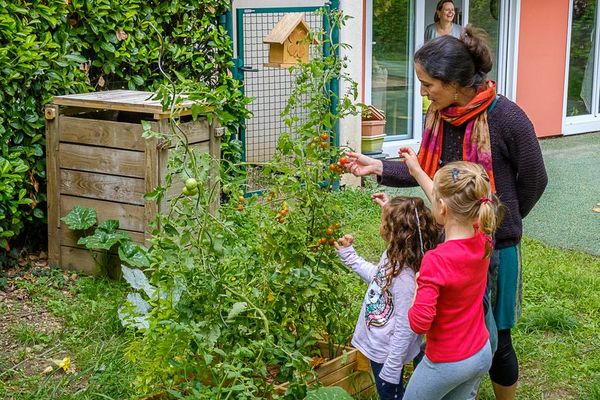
<point x="409" y="157"/>
<point x="380" y="198"/>
<point x="343" y="242"/>
<point x="361" y="165"/>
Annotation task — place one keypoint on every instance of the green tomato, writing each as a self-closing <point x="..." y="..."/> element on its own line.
<point x="191" y="184"/>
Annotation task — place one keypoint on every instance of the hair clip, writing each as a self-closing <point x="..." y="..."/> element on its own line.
<point x="454" y="175"/>
<point x="419" y="230"/>
<point x="485" y="200"/>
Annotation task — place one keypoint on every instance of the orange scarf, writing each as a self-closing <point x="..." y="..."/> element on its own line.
<point x="476" y="143"/>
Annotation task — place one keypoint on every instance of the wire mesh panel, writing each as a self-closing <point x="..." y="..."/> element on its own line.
<point x="269" y="87"/>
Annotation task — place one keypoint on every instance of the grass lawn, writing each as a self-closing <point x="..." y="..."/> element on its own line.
<point x="48" y="315"/>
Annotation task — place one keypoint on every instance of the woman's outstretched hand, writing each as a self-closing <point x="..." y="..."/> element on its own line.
<point x="409" y="157"/>
<point x="343" y="242"/>
<point x="361" y="165"/>
<point x="380" y="198"/>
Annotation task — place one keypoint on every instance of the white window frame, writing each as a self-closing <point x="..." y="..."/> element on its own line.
<point x="590" y="122"/>
<point x="510" y="11"/>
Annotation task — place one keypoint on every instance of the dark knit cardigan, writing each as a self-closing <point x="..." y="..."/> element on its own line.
<point x="517" y="163"/>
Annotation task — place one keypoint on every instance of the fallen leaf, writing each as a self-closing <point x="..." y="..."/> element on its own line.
<point x="121" y="34"/>
<point x="101" y="81"/>
<point x="65" y="363"/>
<point x="316" y="361"/>
<point x="597" y="209"/>
<point x="47" y="370"/>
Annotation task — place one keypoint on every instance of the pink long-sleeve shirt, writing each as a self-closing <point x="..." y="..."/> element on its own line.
<point x="448" y="305"/>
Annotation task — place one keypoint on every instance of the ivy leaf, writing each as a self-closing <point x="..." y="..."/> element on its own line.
<point x="237" y="309"/>
<point x="109" y="226"/>
<point x="102" y="240"/>
<point x="80" y="218"/>
<point x="133" y="254"/>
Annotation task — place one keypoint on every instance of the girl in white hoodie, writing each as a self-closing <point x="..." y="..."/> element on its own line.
<point x="382" y="332"/>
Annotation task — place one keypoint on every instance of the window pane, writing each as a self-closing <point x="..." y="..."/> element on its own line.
<point x="581" y="60"/>
<point x="392" y="74"/>
<point x="484" y="14"/>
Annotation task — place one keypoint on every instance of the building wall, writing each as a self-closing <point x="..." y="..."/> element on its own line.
<point x="352" y="34"/>
<point x="541" y="69"/>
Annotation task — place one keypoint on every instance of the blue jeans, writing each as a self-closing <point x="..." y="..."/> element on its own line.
<point x="387" y="390"/>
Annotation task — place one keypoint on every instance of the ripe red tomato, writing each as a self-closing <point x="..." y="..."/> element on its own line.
<point x="332" y="167"/>
<point x="324" y="136"/>
<point x="323" y="241"/>
<point x="240" y="207"/>
<point x="343" y="160"/>
<point x="332" y="241"/>
<point x="329" y="231"/>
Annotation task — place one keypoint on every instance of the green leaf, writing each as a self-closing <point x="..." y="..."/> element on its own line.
<point x="80" y="218"/>
<point x="138" y="280"/>
<point x="102" y="240"/>
<point x="237" y="309"/>
<point x="328" y="393"/>
<point x="109" y="226"/>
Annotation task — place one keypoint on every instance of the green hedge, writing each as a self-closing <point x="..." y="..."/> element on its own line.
<point x="55" y="47"/>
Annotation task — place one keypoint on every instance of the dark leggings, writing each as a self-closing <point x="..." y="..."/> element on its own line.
<point x="505" y="367"/>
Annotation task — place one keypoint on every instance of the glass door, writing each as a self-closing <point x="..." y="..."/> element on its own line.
<point x="390" y="66"/>
<point x="485" y="14"/>
<point x="582" y="98"/>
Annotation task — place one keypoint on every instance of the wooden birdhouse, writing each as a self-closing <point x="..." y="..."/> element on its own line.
<point x="288" y="41"/>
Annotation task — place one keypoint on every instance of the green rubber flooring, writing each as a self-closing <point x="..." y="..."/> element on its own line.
<point x="564" y="216"/>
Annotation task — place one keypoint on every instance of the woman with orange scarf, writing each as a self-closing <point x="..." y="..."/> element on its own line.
<point x="467" y="120"/>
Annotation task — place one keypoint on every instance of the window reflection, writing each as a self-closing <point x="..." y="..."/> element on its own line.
<point x="581" y="59"/>
<point x="392" y="70"/>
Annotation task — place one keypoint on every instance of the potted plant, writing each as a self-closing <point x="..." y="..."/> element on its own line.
<point x="373" y="125"/>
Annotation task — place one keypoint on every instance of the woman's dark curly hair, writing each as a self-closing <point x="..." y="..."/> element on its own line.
<point x="401" y="219"/>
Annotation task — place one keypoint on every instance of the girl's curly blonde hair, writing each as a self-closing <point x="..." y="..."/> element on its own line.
<point x="409" y="229"/>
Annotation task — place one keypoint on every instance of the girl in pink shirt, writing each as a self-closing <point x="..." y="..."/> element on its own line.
<point x="451" y="284"/>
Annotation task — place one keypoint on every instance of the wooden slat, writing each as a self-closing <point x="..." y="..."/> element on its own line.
<point x="337" y="375"/>
<point x="103" y="160"/>
<point x="196" y="131"/>
<point x="120" y="135"/>
<point x="337" y="363"/>
<point x="52" y="175"/>
<point x="70" y="238"/>
<point x="355" y="382"/>
<point x="131" y="218"/>
<point x="105" y="187"/>
<point x="80" y="260"/>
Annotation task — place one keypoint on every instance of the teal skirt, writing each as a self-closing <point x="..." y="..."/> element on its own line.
<point x="507" y="286"/>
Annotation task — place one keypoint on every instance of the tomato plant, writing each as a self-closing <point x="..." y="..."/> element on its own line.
<point x="233" y="302"/>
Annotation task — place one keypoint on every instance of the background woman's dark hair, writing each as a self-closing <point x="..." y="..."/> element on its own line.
<point x="400" y="231"/>
<point x="440" y="5"/>
<point x="465" y="61"/>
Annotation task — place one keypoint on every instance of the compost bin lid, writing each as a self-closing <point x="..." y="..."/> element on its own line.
<point x="120" y="100"/>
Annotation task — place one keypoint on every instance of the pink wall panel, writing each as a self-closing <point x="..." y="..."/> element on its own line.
<point x="541" y="70"/>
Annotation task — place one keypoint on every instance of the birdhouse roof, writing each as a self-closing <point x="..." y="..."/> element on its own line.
<point x="285" y="27"/>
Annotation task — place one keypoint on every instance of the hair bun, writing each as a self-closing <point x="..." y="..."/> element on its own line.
<point x="476" y="41"/>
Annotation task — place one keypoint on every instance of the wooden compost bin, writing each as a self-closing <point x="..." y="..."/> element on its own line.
<point x="97" y="158"/>
<point x="348" y="369"/>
